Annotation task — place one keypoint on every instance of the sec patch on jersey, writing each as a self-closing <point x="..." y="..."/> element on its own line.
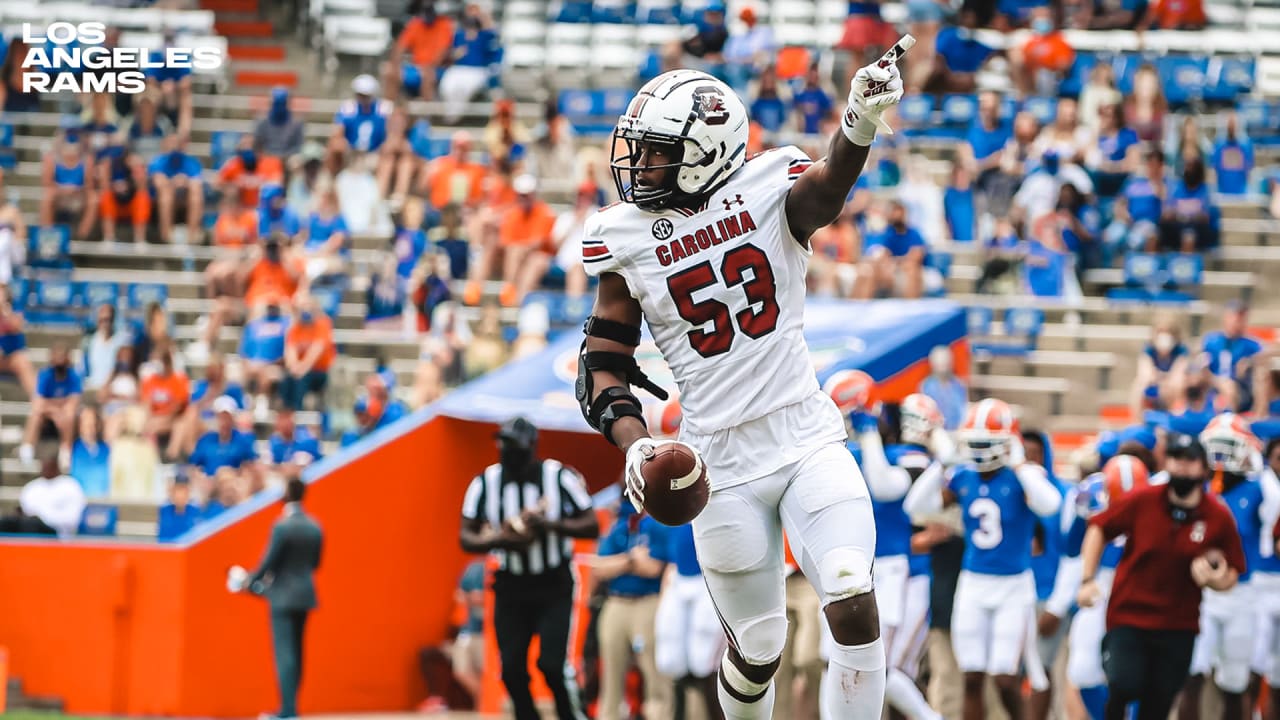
<point x="675" y="484"/>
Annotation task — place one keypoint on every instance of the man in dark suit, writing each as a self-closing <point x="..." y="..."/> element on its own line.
<point x="285" y="578"/>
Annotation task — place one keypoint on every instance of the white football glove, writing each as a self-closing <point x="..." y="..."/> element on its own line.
<point x="874" y="89"/>
<point x="639" y="451"/>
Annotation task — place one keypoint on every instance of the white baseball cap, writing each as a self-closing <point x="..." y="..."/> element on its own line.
<point x="365" y="85"/>
<point x="225" y="404"/>
<point x="525" y="184"/>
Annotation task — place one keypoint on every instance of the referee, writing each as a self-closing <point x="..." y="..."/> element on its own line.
<point x="525" y="511"/>
<point x="1179" y="540"/>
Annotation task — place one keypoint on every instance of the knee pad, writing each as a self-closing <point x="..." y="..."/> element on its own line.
<point x="747" y="685"/>
<point x="1232" y="677"/>
<point x="844" y="572"/>
<point x="760" y="641"/>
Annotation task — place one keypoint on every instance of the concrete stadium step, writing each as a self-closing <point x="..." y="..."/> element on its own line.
<point x="1096" y="370"/>
<point x="1042" y="395"/>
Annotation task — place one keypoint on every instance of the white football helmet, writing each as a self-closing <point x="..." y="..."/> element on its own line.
<point x="1231" y="445"/>
<point x="919" y="417"/>
<point x="704" y="123"/>
<point x="988" y="434"/>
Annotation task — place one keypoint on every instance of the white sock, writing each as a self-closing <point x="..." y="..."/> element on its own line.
<point x="905" y="697"/>
<point x="735" y="709"/>
<point x="853" y="686"/>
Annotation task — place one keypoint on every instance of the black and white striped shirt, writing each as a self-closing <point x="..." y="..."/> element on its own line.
<point x="561" y="493"/>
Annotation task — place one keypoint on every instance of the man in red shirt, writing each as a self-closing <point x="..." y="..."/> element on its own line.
<point x="1179" y="541"/>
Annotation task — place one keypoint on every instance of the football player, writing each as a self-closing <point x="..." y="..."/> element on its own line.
<point x="710" y="249"/>
<point x="1266" y="583"/>
<point x="888" y="483"/>
<point x="1121" y="475"/>
<point x="1000" y="496"/>
<point x="1228" y="619"/>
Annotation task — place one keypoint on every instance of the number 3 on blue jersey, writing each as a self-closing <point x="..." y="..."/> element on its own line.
<point x="989" y="532"/>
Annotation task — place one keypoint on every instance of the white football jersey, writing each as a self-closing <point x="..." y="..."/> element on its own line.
<point x="722" y="289"/>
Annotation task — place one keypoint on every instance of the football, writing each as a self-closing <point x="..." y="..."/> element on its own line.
<point x="675" y="484"/>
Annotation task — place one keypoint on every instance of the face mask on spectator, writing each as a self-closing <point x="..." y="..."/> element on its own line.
<point x="1182" y="485"/>
<point x="1195" y="393"/>
<point x="279" y="113"/>
<point x="1042" y="26"/>
<point x="964" y="33"/>
<point x="249" y="159"/>
<point x="272" y="252"/>
<point x="306" y="317"/>
<point x="1164" y="342"/>
<point x="273" y="311"/>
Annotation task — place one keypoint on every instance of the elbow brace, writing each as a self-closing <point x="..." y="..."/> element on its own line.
<point x="614" y="402"/>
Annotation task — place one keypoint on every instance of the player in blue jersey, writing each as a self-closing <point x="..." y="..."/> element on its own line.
<point x="1000" y="496"/>
<point x="1045" y="565"/>
<point x="688" y="638"/>
<point x="1121" y="475"/>
<point x="888" y="484"/>
<point x="1228" y="619"/>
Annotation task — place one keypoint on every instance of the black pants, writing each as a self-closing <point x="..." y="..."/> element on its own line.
<point x="542" y="606"/>
<point x="1171" y="233"/>
<point x="1145" y="666"/>
<point x="287" y="627"/>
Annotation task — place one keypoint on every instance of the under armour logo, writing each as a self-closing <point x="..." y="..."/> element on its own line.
<point x="728" y="204"/>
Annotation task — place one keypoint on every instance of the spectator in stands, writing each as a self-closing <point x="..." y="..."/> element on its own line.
<point x="274" y="214"/>
<point x="1198" y="402"/>
<point x="13" y="343"/>
<point x="1115" y="152"/>
<point x="174" y="83"/>
<point x="467" y="657"/>
<point x="398" y="164"/>
<point x="892" y="259"/>
<point x="13" y="236"/>
<point x="361" y="123"/>
<point x="308" y="353"/>
<point x="475" y="48"/>
<point x="165" y="392"/>
<point x="372" y="414"/>
<point x="1232" y="158"/>
<point x="55" y="498"/>
<point x="958" y="205"/>
<point x="812" y="104"/>
<point x="149" y="333"/>
<point x="1188" y="143"/>
<point x="1109" y="14"/>
<point x="566" y="235"/>
<point x="454" y="178"/>
<point x="262" y="351"/>
<point x="276" y="276"/>
<point x="434" y="357"/>
<point x="486" y="349"/>
<point x="119" y="392"/>
<point x="1187" y="222"/>
<point x="947" y="390"/>
<point x="179" y="184"/>
<point x="428" y="287"/>
<point x="420" y="52"/>
<point x="179" y="514"/>
<point x="67" y="183"/>
<point x="147" y="130"/>
<point x="1042" y="60"/>
<point x="214" y="386"/>
<point x="1079" y="227"/>
<point x="124" y="195"/>
<point x="1003" y="252"/>
<point x="13" y="98"/>
<point x="451" y="238"/>
<point x="1137" y="210"/>
<point x="866" y="34"/>
<point x="747" y="54"/>
<point x="1145" y="107"/>
<point x="100" y="124"/>
<point x="56" y="403"/>
<point x="225" y="447"/>
<point x="134" y="458"/>
<point x="553" y="151"/>
<point x="768" y="108"/>
<point x="1048" y="263"/>
<point x="385" y="297"/>
<point x="987" y="137"/>
<point x="1065" y="136"/>
<point x="101" y="347"/>
<point x="279" y="133"/>
<point x="1175" y="15"/>
<point x="1161" y="366"/>
<point x="1099" y="89"/>
<point x="248" y="171"/>
<point x="91" y="456"/>
<point x="326" y="246"/>
<point x="525" y="238"/>
<point x="1228" y="355"/>
<point x="291" y="444"/>
<point x="306" y="174"/>
<point x="504" y="131"/>
<point x="410" y="241"/>
<point x="959" y="56"/>
<point x="1038" y="195"/>
<point x="363" y="209"/>
<point x="922" y="197"/>
<point x="531" y="330"/>
<point x="705" y="40"/>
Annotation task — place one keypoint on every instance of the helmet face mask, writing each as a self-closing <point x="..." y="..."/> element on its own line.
<point x="629" y="161"/>
<point x="1229" y="445"/>
<point x="919" y="417"/>
<point x="988" y="453"/>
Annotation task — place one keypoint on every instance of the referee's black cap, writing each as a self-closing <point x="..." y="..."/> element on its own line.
<point x="1185" y="447"/>
<point x="519" y="432"/>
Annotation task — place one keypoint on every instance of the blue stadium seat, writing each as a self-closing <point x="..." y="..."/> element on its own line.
<point x="1229" y="78"/>
<point x="1008" y="107"/>
<point x="576" y="104"/>
<point x="916" y="110"/>
<point x="1183" y="77"/>
<point x="424" y="144"/>
<point x="97" y="294"/>
<point x="19" y="289"/>
<point x="978" y="320"/>
<point x="1026" y="322"/>
<point x="140" y="295"/>
<point x="1125" y="66"/>
<point x="99" y="520"/>
<point x="55" y="301"/>
<point x="8" y="156"/>
<point x="613" y="13"/>
<point x="959" y="110"/>
<point x="1078" y="75"/>
<point x="1043" y="108"/>
<point x="574" y="11"/>
<point x="655" y="14"/>
<point x="49" y="248"/>
<point x="222" y="146"/>
<point x="1021" y="331"/>
<point x="615" y="101"/>
<point x="329" y="299"/>
<point x="1150" y="278"/>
